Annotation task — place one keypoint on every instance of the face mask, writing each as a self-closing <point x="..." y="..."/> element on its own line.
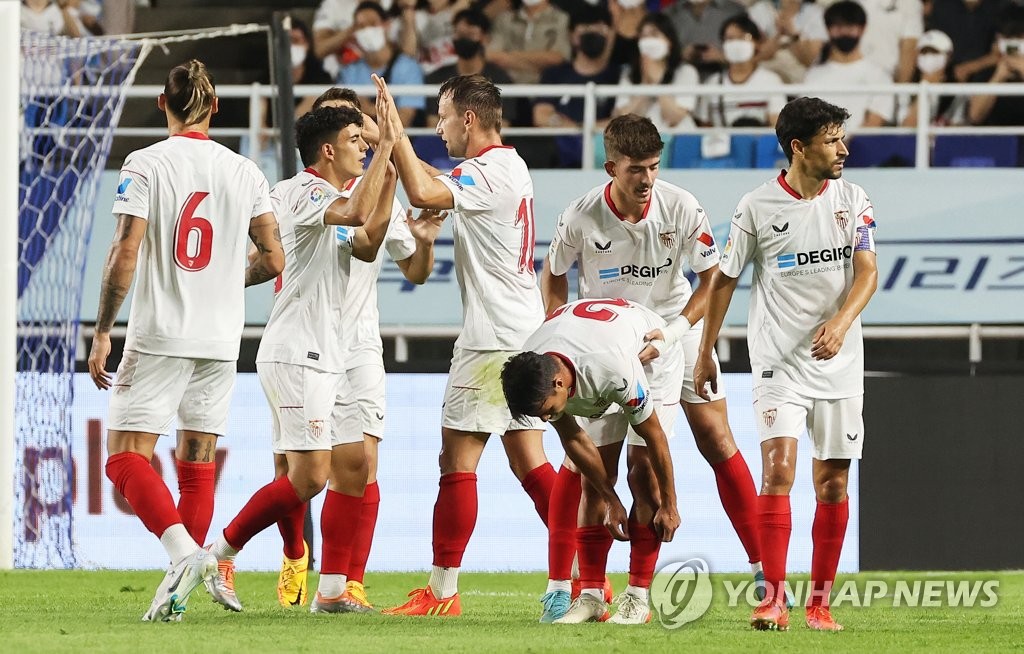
<point x="1011" y="47"/>
<point x="630" y="4"/>
<point x="738" y="51"/>
<point x="466" y="48"/>
<point x="845" y="44"/>
<point x="592" y="44"/>
<point x="371" y="39"/>
<point x="653" y="47"/>
<point x="299" y="55"/>
<point x="931" y="62"/>
<point x="532" y="3"/>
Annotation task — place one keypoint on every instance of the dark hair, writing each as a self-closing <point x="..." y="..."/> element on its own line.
<point x="633" y="136"/>
<point x="189" y="91"/>
<point x="322" y="126"/>
<point x="663" y="24"/>
<point x="336" y="93"/>
<point x="743" y="22"/>
<point x="526" y="380"/>
<point x="475" y="18"/>
<point x="475" y="93"/>
<point x="1010" y="21"/>
<point x="587" y="16"/>
<point x="372" y="5"/>
<point x="804" y="118"/>
<point x="845" y="12"/>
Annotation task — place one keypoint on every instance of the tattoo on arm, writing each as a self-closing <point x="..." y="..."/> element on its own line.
<point x="117" y="277"/>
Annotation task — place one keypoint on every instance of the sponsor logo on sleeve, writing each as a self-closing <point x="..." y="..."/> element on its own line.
<point x="461" y="179"/>
<point x="636" y="404"/>
<point x="708" y="241"/>
<point x="122" y="190"/>
<point x="317" y="196"/>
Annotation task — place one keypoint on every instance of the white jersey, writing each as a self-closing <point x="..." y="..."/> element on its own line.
<point x="494" y="239"/>
<point x="197" y="198"/>
<point x="803" y="271"/>
<point x="307" y="325"/>
<point x="362" y="315"/>
<point x="645" y="262"/>
<point x="600" y="340"/>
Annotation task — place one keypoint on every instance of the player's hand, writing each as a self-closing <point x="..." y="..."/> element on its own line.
<point x="653" y="340"/>
<point x="705" y="375"/>
<point x="98" y="360"/>
<point x="383" y="92"/>
<point x="666" y="521"/>
<point x="371" y="132"/>
<point x="828" y="340"/>
<point x="426" y="228"/>
<point x="616" y="519"/>
<point x="389" y="128"/>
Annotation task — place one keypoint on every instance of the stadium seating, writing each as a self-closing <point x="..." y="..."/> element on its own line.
<point x="882" y="151"/>
<point x="976" y="151"/>
<point x="745" y="151"/>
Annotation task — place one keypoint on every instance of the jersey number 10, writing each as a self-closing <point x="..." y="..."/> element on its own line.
<point x="193" y="236"/>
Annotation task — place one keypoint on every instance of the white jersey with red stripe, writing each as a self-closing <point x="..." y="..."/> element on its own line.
<point x="493" y="227"/>
<point x="646" y="261"/>
<point x="600" y="341"/>
<point x="361" y="312"/>
<point x="802" y="252"/>
<point x="308" y="324"/>
<point x="197" y="198"/>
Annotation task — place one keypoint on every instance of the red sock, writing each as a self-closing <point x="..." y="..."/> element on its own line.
<point x="827" y="534"/>
<point x="196" y="482"/>
<point x="739" y="498"/>
<point x="454" y="518"/>
<point x="339" y="522"/>
<point x="776" y="526"/>
<point x="538" y="484"/>
<point x="292" y="526"/>
<point x="594" y="542"/>
<point x="264" y="508"/>
<point x="563" y="513"/>
<point x="644" y="545"/>
<point x="364" y="532"/>
<point x="133" y="476"/>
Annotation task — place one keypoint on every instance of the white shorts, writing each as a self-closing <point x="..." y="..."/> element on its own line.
<point x="150" y="389"/>
<point x="473" y="399"/>
<point x="665" y="375"/>
<point x="836" y="427"/>
<point x="311" y="410"/>
<point x="691" y="346"/>
<point x="367" y="384"/>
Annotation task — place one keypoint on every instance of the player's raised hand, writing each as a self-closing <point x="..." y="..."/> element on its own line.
<point x="98" y="360"/>
<point x="666" y="521"/>
<point x="384" y="92"/>
<point x="654" y="340"/>
<point x="371" y="132"/>
<point x="828" y="340"/>
<point x="426" y="228"/>
<point x="705" y="374"/>
<point x="390" y="126"/>
<point x="616" y="520"/>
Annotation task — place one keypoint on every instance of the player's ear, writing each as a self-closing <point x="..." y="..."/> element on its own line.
<point x="469" y="118"/>
<point x="609" y="167"/>
<point x="161" y="102"/>
<point x="214" y="105"/>
<point x="798" y="146"/>
<point x="327" y="152"/>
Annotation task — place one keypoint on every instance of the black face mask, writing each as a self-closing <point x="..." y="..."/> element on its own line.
<point x="592" y="44"/>
<point x="467" y="48"/>
<point x="845" y="44"/>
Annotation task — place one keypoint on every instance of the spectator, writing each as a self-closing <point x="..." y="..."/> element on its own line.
<point x="370" y="26"/>
<point x="425" y="32"/>
<point x="794" y="34"/>
<point x="306" y="68"/>
<point x="626" y="18"/>
<point x="1004" y="109"/>
<point x="699" y="25"/>
<point x="659" y="60"/>
<point x="847" y="67"/>
<point x="934" y="65"/>
<point x="971" y="24"/>
<point x="118" y="16"/>
<point x="471" y="31"/>
<point x="530" y="40"/>
<point x="332" y="33"/>
<point x="591" y="43"/>
<point x="741" y="40"/>
<point x="53" y="18"/>
<point x="890" y="39"/>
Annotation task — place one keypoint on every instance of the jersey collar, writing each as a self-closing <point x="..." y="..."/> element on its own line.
<point x="199" y="136"/>
<point x="313" y="172"/>
<point x="615" y="210"/>
<point x="572" y="370"/>
<point x="789" y="189"/>
<point x="493" y="147"/>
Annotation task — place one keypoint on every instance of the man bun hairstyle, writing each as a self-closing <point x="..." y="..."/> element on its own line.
<point x="189" y="92"/>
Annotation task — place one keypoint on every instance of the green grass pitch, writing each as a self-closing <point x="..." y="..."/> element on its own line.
<point x="100" y="611"/>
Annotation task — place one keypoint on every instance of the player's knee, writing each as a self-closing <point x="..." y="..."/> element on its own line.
<point x="778" y="477"/>
<point x="831" y="490"/>
<point x="309" y="485"/>
<point x="714" y="440"/>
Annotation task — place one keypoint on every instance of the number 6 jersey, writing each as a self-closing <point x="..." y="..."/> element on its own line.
<point x="197" y="198"/>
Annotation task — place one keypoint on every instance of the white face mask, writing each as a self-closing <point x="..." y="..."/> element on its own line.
<point x="299" y="55"/>
<point x="653" y="47"/>
<point x="931" y="62"/>
<point x="371" y="39"/>
<point x="738" y="51"/>
<point x="630" y="4"/>
<point x="532" y="3"/>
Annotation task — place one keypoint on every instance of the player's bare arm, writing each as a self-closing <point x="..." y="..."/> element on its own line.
<point x="268" y="263"/>
<point x="666" y="520"/>
<point x="719" y="296"/>
<point x="582" y="452"/>
<point x="424" y="229"/>
<point x="118" y="273"/>
<point x="423" y="191"/>
<point x="829" y="338"/>
<point x="553" y="288"/>
<point x="367" y="239"/>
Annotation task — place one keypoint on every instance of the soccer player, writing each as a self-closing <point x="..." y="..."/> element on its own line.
<point x="301" y="360"/>
<point x="191" y="204"/>
<point x="410" y="243"/>
<point x="634" y="237"/>
<point x="587" y="356"/>
<point x="490" y="196"/>
<point x="810" y="235"/>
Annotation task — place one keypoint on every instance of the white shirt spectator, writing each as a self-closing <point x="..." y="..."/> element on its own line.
<point x="852" y="75"/>
<point x="725" y="110"/>
<point x="809" y="21"/>
<point x="686" y="76"/>
<point x="889" y="22"/>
